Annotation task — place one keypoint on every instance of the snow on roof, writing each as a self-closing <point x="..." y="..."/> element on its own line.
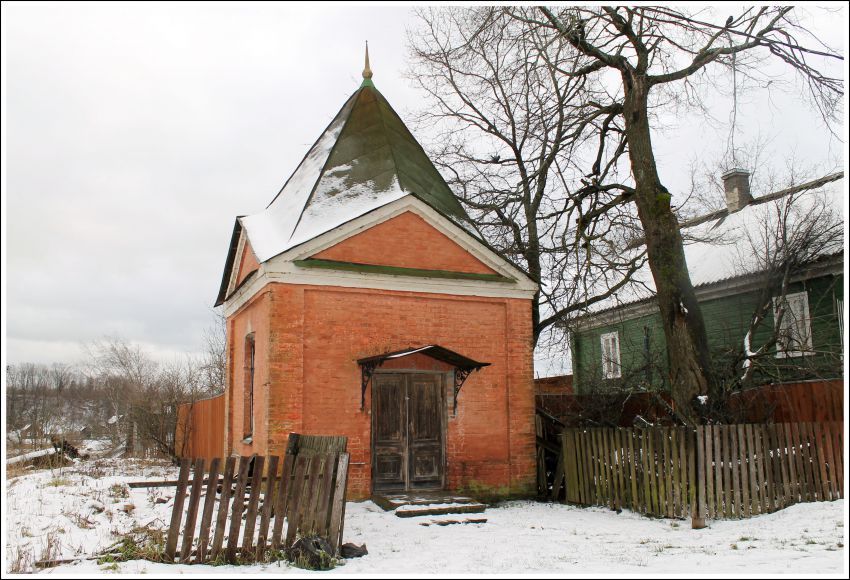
<point x="727" y="247"/>
<point x="271" y="231"/>
<point x="724" y="245"/>
<point x="365" y="159"/>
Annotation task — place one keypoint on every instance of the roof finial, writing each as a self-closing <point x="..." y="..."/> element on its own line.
<point x="367" y="72"/>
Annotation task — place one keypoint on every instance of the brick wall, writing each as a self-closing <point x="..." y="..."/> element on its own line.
<point x="559" y="385"/>
<point x="405" y="241"/>
<point x="253" y="318"/>
<point x="312" y="380"/>
<point x="247" y="264"/>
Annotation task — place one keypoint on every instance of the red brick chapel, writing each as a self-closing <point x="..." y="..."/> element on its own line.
<point x="361" y="303"/>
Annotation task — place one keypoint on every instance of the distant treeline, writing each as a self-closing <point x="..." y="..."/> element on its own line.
<point x="120" y="393"/>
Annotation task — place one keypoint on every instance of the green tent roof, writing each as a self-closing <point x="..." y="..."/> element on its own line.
<point x="365" y="158"/>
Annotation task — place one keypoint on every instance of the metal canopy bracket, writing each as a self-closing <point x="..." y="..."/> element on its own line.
<point x="367" y="369"/>
<point x="460" y="378"/>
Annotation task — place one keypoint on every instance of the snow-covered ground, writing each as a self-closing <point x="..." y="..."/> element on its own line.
<point x="78" y="511"/>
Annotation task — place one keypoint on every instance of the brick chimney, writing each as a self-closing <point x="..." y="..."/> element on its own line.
<point x="736" y="184"/>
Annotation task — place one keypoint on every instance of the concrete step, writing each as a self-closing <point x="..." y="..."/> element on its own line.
<point x="453" y="522"/>
<point x="435" y="509"/>
<point x="391" y="502"/>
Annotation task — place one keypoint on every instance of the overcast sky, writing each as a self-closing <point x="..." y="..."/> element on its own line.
<point x="134" y="134"/>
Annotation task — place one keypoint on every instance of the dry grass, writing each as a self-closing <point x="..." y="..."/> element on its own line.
<point x="52" y="546"/>
<point x="20" y="560"/>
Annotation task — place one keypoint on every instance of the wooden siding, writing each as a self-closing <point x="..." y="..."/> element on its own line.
<point x="726" y="319"/>
<point x="812" y="401"/>
<point x="200" y="429"/>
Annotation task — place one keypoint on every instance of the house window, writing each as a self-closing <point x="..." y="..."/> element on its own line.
<point x="839" y="307"/>
<point x="610" y="355"/>
<point x="248" y="389"/>
<point x="794" y="336"/>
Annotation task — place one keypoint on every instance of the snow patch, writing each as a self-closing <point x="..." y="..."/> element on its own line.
<point x="520" y="537"/>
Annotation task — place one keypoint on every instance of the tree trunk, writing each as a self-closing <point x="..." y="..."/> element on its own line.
<point x="681" y="316"/>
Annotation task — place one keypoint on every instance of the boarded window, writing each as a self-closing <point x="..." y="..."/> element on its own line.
<point x="610" y="355"/>
<point x="794" y="336"/>
<point x="248" y="388"/>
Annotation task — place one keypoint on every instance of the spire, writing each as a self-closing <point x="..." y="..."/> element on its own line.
<point x="367" y="71"/>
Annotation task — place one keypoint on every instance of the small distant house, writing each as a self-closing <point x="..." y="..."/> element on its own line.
<point x="361" y="303"/>
<point x="623" y="346"/>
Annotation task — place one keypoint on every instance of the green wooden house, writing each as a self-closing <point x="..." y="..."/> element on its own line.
<point x="781" y="254"/>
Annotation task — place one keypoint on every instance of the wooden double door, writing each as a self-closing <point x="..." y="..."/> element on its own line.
<point x="408" y="431"/>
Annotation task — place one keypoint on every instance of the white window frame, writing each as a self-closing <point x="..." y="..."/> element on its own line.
<point x="610" y="356"/>
<point x="802" y="320"/>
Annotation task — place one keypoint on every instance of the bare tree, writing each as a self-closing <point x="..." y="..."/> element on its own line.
<point x="120" y="392"/>
<point x="510" y="135"/>
<point x="144" y="395"/>
<point x="793" y="234"/>
<point x="154" y="411"/>
<point x="640" y="56"/>
<point x="213" y="362"/>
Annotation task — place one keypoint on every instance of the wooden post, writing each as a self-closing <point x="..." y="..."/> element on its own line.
<point x="696" y="490"/>
<point x="698" y="516"/>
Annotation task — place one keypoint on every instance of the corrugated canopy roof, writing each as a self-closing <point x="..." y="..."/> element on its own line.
<point x="436" y="352"/>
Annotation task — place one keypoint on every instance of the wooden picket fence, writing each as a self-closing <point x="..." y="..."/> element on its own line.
<point x="720" y="471"/>
<point x="308" y="493"/>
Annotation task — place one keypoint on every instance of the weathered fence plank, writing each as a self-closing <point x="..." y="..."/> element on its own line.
<point x="312" y="501"/>
<point x="296" y="501"/>
<point x="268" y="500"/>
<point x="836" y="435"/>
<point x="237" y="509"/>
<point x="742" y="466"/>
<point x="752" y="470"/>
<point x="714" y="471"/>
<point x="686" y="446"/>
<point x="821" y="459"/>
<point x="673" y="464"/>
<point x="802" y="469"/>
<point x="766" y="469"/>
<point x="177" y="512"/>
<point x="230" y="468"/>
<point x="209" y="506"/>
<point x="701" y="471"/>
<point x="830" y="460"/>
<point x="338" y="508"/>
<point x="710" y="501"/>
<point x="811" y="459"/>
<point x="192" y="515"/>
<point x="253" y="502"/>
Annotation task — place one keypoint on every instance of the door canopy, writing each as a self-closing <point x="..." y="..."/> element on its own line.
<point x="463" y="366"/>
